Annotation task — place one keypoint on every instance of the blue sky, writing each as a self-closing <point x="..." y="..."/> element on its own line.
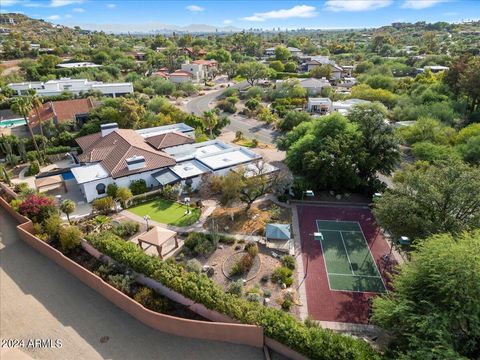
<point x="135" y="15"/>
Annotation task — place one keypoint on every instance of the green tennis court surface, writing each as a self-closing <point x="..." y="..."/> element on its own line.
<point x="350" y="265"/>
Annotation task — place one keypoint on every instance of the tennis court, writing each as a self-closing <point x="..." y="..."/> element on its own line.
<point x="348" y="260"/>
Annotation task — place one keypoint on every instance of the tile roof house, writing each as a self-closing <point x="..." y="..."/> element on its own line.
<point x="61" y="111"/>
<point x="159" y="156"/>
<point x="316" y="61"/>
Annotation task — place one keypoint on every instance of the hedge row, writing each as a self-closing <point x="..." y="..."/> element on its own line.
<point x="53" y="150"/>
<point x="313" y="342"/>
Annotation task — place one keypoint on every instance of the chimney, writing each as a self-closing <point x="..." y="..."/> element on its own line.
<point x="135" y="162"/>
<point x="108" y="128"/>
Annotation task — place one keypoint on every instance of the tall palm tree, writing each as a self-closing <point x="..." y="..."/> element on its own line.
<point x="210" y="119"/>
<point x="23" y="106"/>
<point x="37" y="103"/>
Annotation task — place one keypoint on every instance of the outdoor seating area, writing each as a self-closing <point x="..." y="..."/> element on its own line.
<point x="159" y="239"/>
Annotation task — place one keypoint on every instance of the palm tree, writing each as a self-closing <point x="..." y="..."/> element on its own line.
<point x="67" y="206"/>
<point x="23" y="106"/>
<point x="37" y="103"/>
<point x="210" y="119"/>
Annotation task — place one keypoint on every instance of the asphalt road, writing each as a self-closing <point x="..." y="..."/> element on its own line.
<point x="39" y="300"/>
<point x="251" y="128"/>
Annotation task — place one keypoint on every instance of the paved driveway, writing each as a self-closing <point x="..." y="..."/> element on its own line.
<point x="38" y="300"/>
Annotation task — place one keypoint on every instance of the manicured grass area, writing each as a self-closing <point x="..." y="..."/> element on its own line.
<point x="167" y="212"/>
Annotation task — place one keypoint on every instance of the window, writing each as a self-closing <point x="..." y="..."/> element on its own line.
<point x="100" y="189"/>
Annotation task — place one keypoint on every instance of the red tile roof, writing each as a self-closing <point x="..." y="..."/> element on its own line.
<point x="61" y="110"/>
<point x="205" y="62"/>
<point x="169" y="139"/>
<point x="181" y="73"/>
<point x="113" y="149"/>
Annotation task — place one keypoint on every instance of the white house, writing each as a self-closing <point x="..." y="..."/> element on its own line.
<point x="157" y="156"/>
<point x="75" y="86"/>
<point x="320" y="106"/>
<point x="293" y="50"/>
<point x="316" y="61"/>
<point x="345" y="106"/>
<point x="180" y="76"/>
<point x="85" y="64"/>
<point x="314" y="86"/>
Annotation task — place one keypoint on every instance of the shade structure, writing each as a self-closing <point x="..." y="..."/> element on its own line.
<point x="278" y="232"/>
<point x="157" y="237"/>
<point x="49" y="181"/>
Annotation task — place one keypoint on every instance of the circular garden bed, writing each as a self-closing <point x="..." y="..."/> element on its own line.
<point x="230" y="261"/>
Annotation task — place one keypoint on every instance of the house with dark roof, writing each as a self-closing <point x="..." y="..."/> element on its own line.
<point x="60" y="111"/>
<point x="160" y="156"/>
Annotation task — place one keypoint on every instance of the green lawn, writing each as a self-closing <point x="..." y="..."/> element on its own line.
<point x="167" y="212"/>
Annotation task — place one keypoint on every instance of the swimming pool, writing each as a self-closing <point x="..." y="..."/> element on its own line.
<point x="12" y="123"/>
<point x="67" y="175"/>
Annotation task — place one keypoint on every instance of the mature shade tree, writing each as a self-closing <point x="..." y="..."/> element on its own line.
<point x="426" y="200"/>
<point x="252" y="71"/>
<point x="277" y="66"/>
<point x="292" y="119"/>
<point x="322" y="71"/>
<point x="282" y="53"/>
<point x="434" y="310"/>
<point x="325" y="152"/>
<point x="379" y="143"/>
<point x="290" y="66"/>
<point x="470" y="84"/>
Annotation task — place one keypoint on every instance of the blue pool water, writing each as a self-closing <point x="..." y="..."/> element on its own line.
<point x="12" y="123"/>
<point x="67" y="175"/>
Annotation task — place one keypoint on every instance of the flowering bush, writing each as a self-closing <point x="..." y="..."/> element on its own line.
<point x="37" y="207"/>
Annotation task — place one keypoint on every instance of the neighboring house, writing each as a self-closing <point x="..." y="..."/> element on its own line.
<point x="344" y="107"/>
<point x="75" y="86"/>
<point x="201" y="70"/>
<point x="347" y="82"/>
<point x="320" y="106"/>
<point x="180" y="76"/>
<point x="348" y="70"/>
<point x="85" y="64"/>
<point x="160" y="156"/>
<point x="314" y="86"/>
<point x="433" y="68"/>
<point x="191" y="52"/>
<point x="316" y="61"/>
<point x="293" y="50"/>
<point x="210" y="67"/>
<point x="61" y="111"/>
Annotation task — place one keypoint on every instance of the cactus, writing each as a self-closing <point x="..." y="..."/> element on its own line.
<point x="22" y="152"/>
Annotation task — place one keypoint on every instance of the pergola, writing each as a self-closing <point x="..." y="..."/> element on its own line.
<point x="157" y="237"/>
<point x="50" y="181"/>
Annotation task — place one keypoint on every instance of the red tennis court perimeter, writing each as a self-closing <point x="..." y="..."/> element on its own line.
<point x="333" y="305"/>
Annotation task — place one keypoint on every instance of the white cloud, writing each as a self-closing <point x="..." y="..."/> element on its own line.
<point x="111" y="6"/>
<point x="60" y="3"/>
<point x="226" y="22"/>
<point x="298" y="11"/>
<point x="68" y="16"/>
<point x="357" y="5"/>
<point x="9" y="2"/>
<point x="194" y="8"/>
<point x="78" y="10"/>
<point x="53" y="17"/>
<point x="420" y="4"/>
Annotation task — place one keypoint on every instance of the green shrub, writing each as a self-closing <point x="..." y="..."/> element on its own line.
<point x="252" y="249"/>
<point x="21" y="187"/>
<point x="243" y="265"/>
<point x="51" y="226"/>
<point x="235" y="287"/>
<point x="138" y="187"/>
<point x="283" y="275"/>
<point x="287" y="304"/>
<point x="103" y="205"/>
<point x="199" y="244"/>
<point x="126" y="229"/>
<point x="193" y="265"/>
<point x="112" y="190"/>
<point x="151" y="300"/>
<point x="288" y="261"/>
<point x="34" y="168"/>
<point x="314" y="343"/>
<point x="70" y="237"/>
<point x="121" y="282"/>
<point x="254" y="297"/>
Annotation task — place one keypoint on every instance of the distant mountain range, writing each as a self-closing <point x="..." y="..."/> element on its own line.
<point x="156" y="27"/>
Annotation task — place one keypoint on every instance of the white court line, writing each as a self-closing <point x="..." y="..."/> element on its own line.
<point x="369" y="276"/>
<point x="346" y="253"/>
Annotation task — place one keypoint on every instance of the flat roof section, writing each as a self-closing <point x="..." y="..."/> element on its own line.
<point x="229" y="158"/>
<point x="189" y="169"/>
<point x="85" y="174"/>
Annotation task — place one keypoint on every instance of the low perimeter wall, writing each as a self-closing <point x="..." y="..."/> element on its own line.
<point x="222" y="328"/>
